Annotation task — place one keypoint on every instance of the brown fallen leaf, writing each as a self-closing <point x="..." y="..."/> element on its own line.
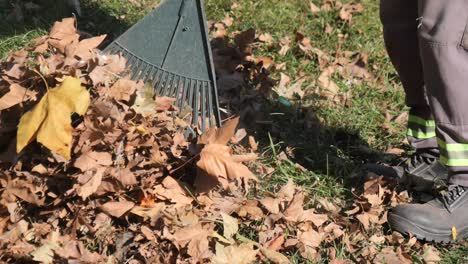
<point x="92" y="160"/>
<point x="431" y="254"/>
<point x="117" y="209"/>
<point x="271" y="204"/>
<point x="314" y="8"/>
<point x="325" y="82"/>
<point x="389" y="256"/>
<point x="221" y="135"/>
<point x="112" y="66"/>
<point x="242" y="254"/>
<point x="274" y="256"/>
<point x="16" y="95"/>
<point x="276" y="243"/>
<point x="266" y="62"/>
<point x="285" y="44"/>
<point x="217" y="162"/>
<point x="295" y="209"/>
<point x="266" y="38"/>
<point x="310" y="216"/>
<point x="123" y="89"/>
<point x="164" y="104"/>
<point x="84" y="49"/>
<point x="149" y="213"/>
<point x="172" y="190"/>
<point x="15" y="71"/>
<point x="91" y="186"/>
<point x="195" y="238"/>
<point x="310" y="238"/>
<point x="63" y="33"/>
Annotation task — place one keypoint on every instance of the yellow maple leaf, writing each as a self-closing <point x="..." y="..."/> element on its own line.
<point x="50" y="120"/>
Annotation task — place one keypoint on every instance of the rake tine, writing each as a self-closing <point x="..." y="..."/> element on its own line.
<point x="191" y="95"/>
<point x="151" y="75"/>
<point x="210" y="105"/>
<point x="159" y="81"/>
<point x="143" y="68"/>
<point x="187" y="84"/>
<point x="111" y="48"/>
<point x="155" y="77"/>
<point x="180" y="86"/>
<point x="196" y="103"/>
<point x="163" y="82"/>
<point x="203" y="105"/>
<point x="131" y="61"/>
<point x="168" y="85"/>
<point x="148" y="73"/>
<point x="124" y="53"/>
<point x="175" y="86"/>
<point x="136" y="69"/>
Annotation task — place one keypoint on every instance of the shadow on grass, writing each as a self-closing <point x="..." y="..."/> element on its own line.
<point x="331" y="155"/>
<point x="329" y="152"/>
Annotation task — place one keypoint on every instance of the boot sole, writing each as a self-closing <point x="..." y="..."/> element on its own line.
<point x="402" y="225"/>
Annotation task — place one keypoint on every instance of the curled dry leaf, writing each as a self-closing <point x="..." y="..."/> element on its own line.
<point x="230" y="226"/>
<point x="117" y="209"/>
<point x="266" y="38"/>
<point x="172" y="190"/>
<point x="16" y="95"/>
<point x="63" y="33"/>
<point x="431" y="254"/>
<point x="285" y="44"/>
<point x="242" y="254"/>
<point x="195" y="238"/>
<point x="93" y="159"/>
<point x="91" y="186"/>
<point x="122" y="90"/>
<point x="314" y="8"/>
<point x="109" y="68"/>
<point x="325" y="82"/>
<point x="217" y="162"/>
<point x="83" y="50"/>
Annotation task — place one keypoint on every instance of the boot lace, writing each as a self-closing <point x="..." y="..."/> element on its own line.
<point x="453" y="193"/>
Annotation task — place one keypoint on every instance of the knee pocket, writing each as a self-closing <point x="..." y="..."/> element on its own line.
<point x="444" y="24"/>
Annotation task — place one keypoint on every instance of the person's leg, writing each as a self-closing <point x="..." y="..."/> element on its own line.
<point x="400" y="24"/>
<point x="443" y="40"/>
<point x="400" y="27"/>
<point x="444" y="51"/>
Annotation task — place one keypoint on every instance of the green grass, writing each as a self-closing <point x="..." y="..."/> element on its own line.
<point x="346" y="136"/>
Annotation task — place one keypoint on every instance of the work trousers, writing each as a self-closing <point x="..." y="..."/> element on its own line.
<point x="427" y="41"/>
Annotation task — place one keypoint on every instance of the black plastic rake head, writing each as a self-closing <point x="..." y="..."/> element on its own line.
<point x="170" y="48"/>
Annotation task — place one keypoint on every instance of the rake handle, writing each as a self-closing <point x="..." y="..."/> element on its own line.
<point x="182" y="8"/>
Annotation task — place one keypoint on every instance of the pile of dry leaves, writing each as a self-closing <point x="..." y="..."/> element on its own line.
<point x="95" y="169"/>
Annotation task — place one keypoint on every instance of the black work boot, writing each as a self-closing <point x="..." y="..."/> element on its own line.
<point x="420" y="172"/>
<point x="443" y="219"/>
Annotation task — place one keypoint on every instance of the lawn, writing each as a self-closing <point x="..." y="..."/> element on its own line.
<point x="331" y="138"/>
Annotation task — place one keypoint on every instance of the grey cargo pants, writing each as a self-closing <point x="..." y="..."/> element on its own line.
<point x="427" y="41"/>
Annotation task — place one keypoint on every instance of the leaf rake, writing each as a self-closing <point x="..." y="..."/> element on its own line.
<point x="170" y="49"/>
